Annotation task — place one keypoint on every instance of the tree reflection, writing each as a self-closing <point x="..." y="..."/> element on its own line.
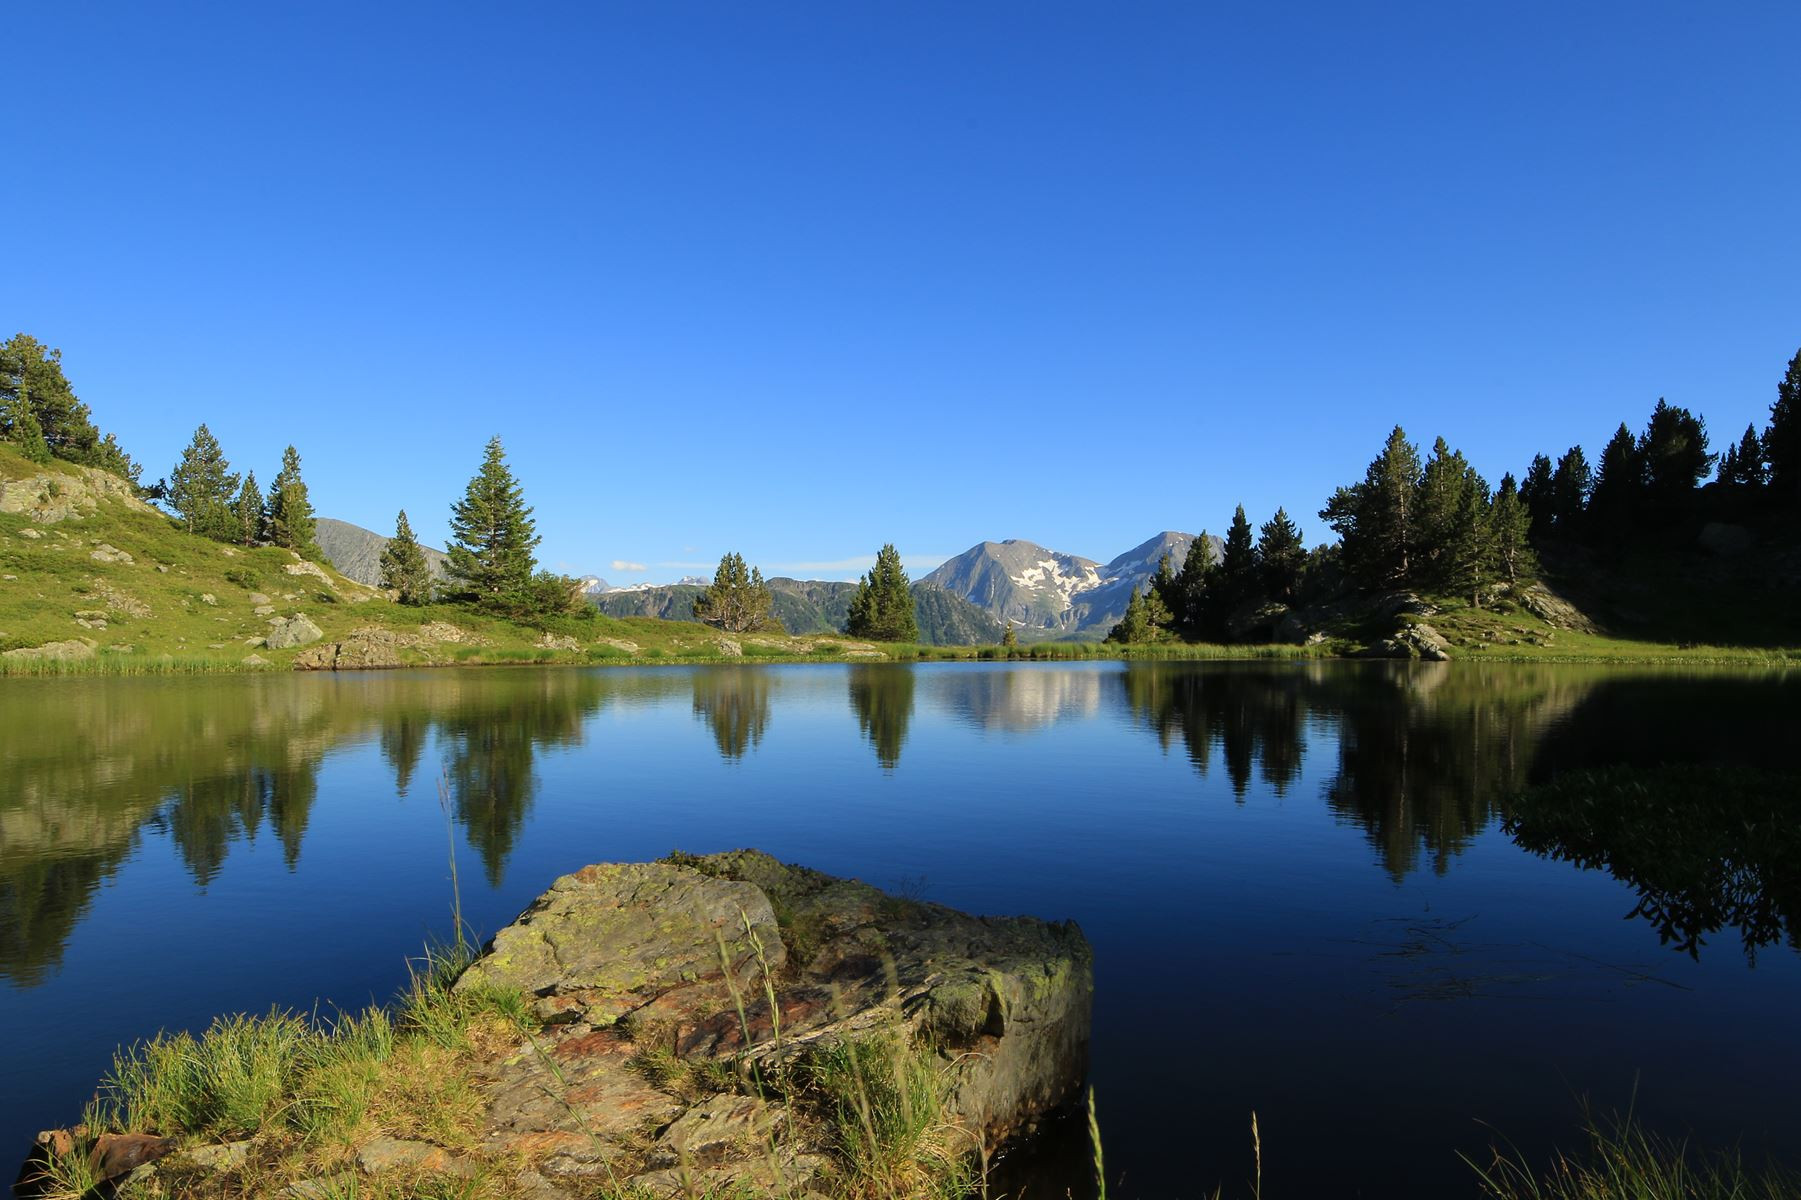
<point x="1703" y="847"/>
<point x="882" y="697"/>
<point x="734" y="702"/>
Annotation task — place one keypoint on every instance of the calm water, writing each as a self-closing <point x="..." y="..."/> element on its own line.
<point x="1301" y="894"/>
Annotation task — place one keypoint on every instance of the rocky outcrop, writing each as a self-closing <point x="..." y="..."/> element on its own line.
<point x="739" y="965"/>
<point x="285" y="633"/>
<point x="57" y="495"/>
<point x="74" y="650"/>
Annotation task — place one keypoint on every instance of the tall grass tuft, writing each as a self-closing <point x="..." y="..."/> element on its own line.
<point x="1623" y="1161"/>
<point x="226" y="1083"/>
<point x="884" y="1101"/>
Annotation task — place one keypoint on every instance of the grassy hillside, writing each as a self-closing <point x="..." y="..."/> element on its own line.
<point x="114" y="585"/>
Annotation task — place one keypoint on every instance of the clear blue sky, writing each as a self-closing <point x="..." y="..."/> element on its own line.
<point x="798" y="280"/>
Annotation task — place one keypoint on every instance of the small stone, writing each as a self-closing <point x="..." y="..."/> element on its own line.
<point x="226" y="1157"/>
<point x="32" y="534"/>
<point x="259" y="598"/>
<point x="161" y="569"/>
<point x="208" y="598"/>
<point x="254" y="660"/>
<point x="264" y="610"/>
<point x="9" y="578"/>
<point x="228" y="552"/>
<point x="104" y="553"/>
<point x="394" y="1154"/>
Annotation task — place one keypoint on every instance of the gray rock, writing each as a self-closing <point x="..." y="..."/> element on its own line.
<point x="104" y="553"/>
<point x="75" y="650"/>
<point x="287" y="632"/>
<point x="730" y="648"/>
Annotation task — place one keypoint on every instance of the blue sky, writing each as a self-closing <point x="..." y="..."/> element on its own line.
<point x="798" y="280"/>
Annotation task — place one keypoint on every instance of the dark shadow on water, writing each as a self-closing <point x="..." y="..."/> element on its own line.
<point x="882" y="698"/>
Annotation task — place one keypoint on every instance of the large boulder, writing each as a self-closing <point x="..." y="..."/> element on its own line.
<point x="737" y="965"/>
<point x="287" y="632"/>
<point x="75" y="650"/>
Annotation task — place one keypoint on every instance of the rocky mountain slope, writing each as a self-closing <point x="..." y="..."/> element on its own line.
<point x="818" y="606"/>
<point x="1047" y="593"/>
<point x="356" y="552"/>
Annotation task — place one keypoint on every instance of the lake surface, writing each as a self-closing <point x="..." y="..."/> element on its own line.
<point x="1304" y="893"/>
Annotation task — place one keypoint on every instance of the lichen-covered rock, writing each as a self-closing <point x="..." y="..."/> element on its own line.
<point x="74" y="650"/>
<point x="737" y="963"/>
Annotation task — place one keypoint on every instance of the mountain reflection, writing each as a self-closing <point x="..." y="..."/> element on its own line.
<point x="882" y="698"/>
<point x="1017" y="699"/>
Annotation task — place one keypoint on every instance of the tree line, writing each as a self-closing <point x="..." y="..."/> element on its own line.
<point x="1437" y="526"/>
<point x="882" y="608"/>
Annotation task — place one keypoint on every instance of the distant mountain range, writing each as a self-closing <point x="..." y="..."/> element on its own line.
<point x="355" y="552"/>
<point x="967" y="601"/>
<point x="1049" y="594"/>
<point x="816" y="606"/>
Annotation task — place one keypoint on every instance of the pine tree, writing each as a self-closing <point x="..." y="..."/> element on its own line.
<point x="1570" y="486"/>
<point x="1375" y="518"/>
<point x="1191" y="609"/>
<point x="291" y="521"/>
<point x="23" y="430"/>
<point x="1238" y="563"/>
<point x="1468" y="559"/>
<point x="248" y="511"/>
<point x="1443" y="487"/>
<point x="1281" y="557"/>
<point x="1510" y="532"/>
<point x="882" y="607"/>
<point x="1135" y="625"/>
<point x="1535" y="495"/>
<point x="738" y="600"/>
<point x="202" y="488"/>
<point x="404" y="570"/>
<point x="1743" y="465"/>
<point x="493" y="536"/>
<point x="1010" y="639"/>
<point x="1619" y="491"/>
<point x="1674" y="452"/>
<point x="1782" y="438"/>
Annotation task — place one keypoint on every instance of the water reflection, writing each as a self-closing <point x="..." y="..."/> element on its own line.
<point x="882" y="698"/>
<point x="1422" y="759"/>
<point x="734" y="702"/>
<point x="1704" y="848"/>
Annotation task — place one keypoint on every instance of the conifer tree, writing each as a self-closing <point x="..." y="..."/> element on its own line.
<point x="290" y="511"/>
<point x="23" y="430"/>
<point x="1535" y="494"/>
<point x="1570" y="486"/>
<point x="1281" y="557"/>
<point x="1238" y="563"/>
<point x="1510" y="532"/>
<point x="1442" y="493"/>
<point x="404" y="570"/>
<point x="1674" y="452"/>
<point x="738" y="600"/>
<point x="1192" y="607"/>
<point x="248" y="511"/>
<point x="882" y="607"/>
<point x="493" y="536"/>
<point x="1743" y="465"/>
<point x="1782" y="438"/>
<point x="1135" y="625"/>
<point x="1375" y="519"/>
<point x="1619" y="489"/>
<point x="1010" y="639"/>
<point x="202" y="488"/>
<point x="1468" y="558"/>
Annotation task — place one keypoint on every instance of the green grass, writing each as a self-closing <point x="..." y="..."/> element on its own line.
<point x="884" y="1102"/>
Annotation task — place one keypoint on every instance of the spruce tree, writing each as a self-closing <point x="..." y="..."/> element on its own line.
<point x="1442" y="489"/>
<point x="1191" y="609"/>
<point x="882" y="607"/>
<point x="1281" y="557"/>
<point x="1010" y="638"/>
<point x="202" y="488"/>
<point x="738" y="600"/>
<point x="1782" y="438"/>
<point x="1135" y="625"/>
<point x="1467" y="558"/>
<point x="248" y="511"/>
<point x="291" y="521"/>
<point x="1238" y="563"/>
<point x="1743" y="465"/>
<point x="493" y="536"/>
<point x="404" y="570"/>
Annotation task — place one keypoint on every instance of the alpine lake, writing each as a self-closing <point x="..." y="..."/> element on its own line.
<point x="1321" y="892"/>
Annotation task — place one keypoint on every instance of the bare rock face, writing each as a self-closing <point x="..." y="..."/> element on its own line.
<point x="736" y="964"/>
<point x="53" y="496"/>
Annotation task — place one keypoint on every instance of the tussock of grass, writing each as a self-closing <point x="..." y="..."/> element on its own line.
<point x="1624" y="1162"/>
<point x="884" y="1102"/>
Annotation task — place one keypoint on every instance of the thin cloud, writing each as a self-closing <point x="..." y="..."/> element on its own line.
<point x="619" y="564"/>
